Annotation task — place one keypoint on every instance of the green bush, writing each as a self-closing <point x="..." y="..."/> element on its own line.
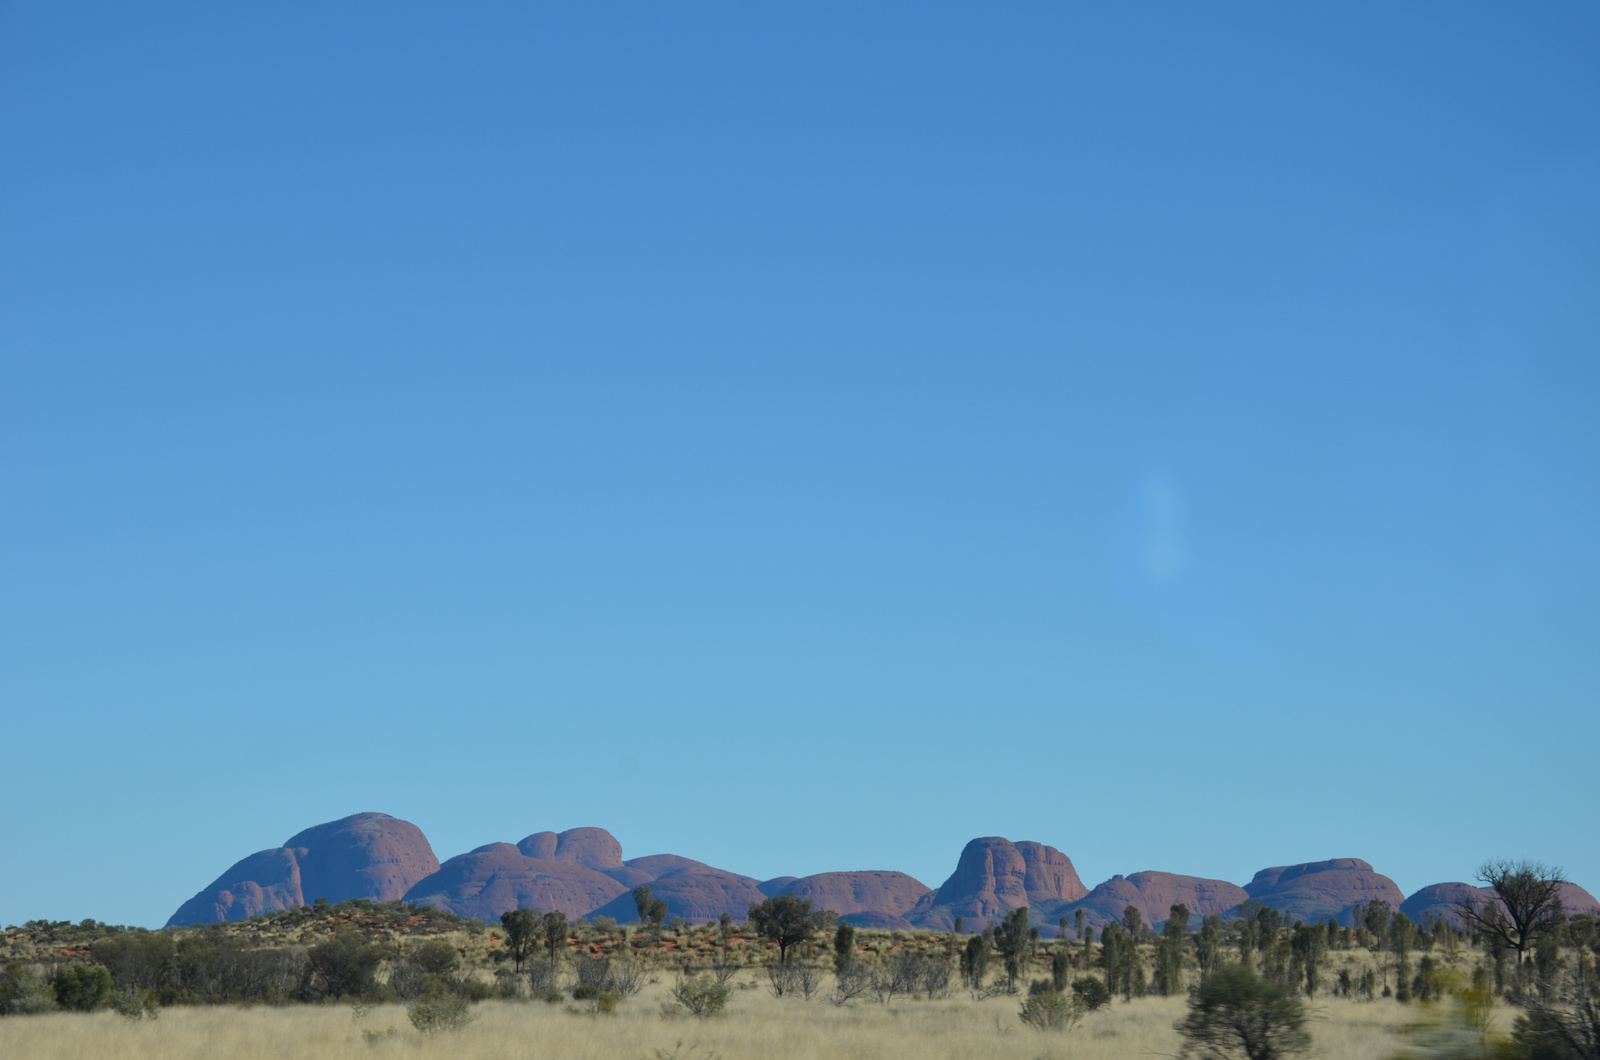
<point x="1091" y="991"/>
<point x="135" y="1004"/>
<point x="345" y="964"/>
<point x="1237" y="1013"/>
<point x="701" y="994"/>
<point x="1051" y="1010"/>
<point x="22" y="993"/>
<point x="82" y="987"/>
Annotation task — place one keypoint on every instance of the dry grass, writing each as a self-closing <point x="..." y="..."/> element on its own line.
<point x="754" y="1025"/>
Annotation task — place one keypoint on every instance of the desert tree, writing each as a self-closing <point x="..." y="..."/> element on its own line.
<point x="844" y="947"/>
<point x="1133" y="921"/>
<point x="975" y="961"/>
<point x="1208" y="945"/>
<point x="553" y="926"/>
<point x="652" y="910"/>
<point x="787" y="919"/>
<point x="1402" y="936"/>
<point x="1529" y="902"/>
<point x="1011" y="943"/>
<point x="1235" y="1012"/>
<point x="1308" y="943"/>
<point x="522" y="929"/>
<point x="1169" y="951"/>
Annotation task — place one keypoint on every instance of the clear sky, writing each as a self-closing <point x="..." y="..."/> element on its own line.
<point x="800" y="437"/>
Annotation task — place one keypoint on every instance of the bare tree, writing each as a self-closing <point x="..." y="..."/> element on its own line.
<point x="1529" y="902"/>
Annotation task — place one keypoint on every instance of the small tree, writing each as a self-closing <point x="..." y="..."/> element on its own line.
<point x="652" y="910"/>
<point x="82" y="987"/>
<point x="1237" y="1013"/>
<point x="1133" y="921"/>
<point x="844" y="947"/>
<point x="1091" y="991"/>
<point x="1060" y="968"/>
<point x="522" y="929"/>
<point x="553" y="925"/>
<point x="1529" y="894"/>
<point x="975" y="961"/>
<point x="1208" y="945"/>
<point x="345" y="964"/>
<point x="1308" y="943"/>
<point x="1011" y="943"/>
<point x="787" y="919"/>
<point x="1169" y="951"/>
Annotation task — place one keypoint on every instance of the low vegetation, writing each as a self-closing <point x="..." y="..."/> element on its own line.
<point x="792" y="982"/>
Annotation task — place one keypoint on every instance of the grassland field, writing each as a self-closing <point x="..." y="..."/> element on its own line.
<point x="754" y="1023"/>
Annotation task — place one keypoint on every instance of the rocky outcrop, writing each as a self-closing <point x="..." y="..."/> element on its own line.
<point x="695" y="896"/>
<point x="1317" y="889"/>
<point x="1442" y="901"/>
<point x="995" y="876"/>
<point x="872" y="891"/>
<point x="593" y="848"/>
<point x="365" y="855"/>
<point x="499" y="877"/>
<point x="774" y="885"/>
<point x="882" y="921"/>
<point x="1153" y="894"/>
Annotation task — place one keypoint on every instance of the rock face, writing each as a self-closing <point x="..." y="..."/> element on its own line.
<point x="365" y="855"/>
<point x="873" y="891"/>
<point x="1153" y="894"/>
<point x="581" y="873"/>
<point x="499" y="877"/>
<point x="995" y="876"/>
<point x="695" y="896"/>
<point x="1442" y="901"/>
<point x="1318" y="889"/>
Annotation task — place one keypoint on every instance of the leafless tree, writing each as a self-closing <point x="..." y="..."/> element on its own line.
<point x="1529" y="901"/>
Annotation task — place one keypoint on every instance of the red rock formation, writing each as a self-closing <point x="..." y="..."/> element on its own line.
<point x="872" y="891"/>
<point x="365" y="855"/>
<point x="1318" y="889"/>
<point x="1443" y="901"/>
<point x="883" y="921"/>
<point x="995" y="876"/>
<point x="498" y="877"/>
<point x="776" y="884"/>
<point x="1153" y="894"/>
<point x="695" y="896"/>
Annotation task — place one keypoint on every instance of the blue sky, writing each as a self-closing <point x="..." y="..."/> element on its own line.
<point x="799" y="437"/>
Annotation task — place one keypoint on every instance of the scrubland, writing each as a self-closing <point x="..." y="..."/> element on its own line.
<point x="755" y="1024"/>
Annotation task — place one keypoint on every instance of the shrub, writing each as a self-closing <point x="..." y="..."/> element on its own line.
<point x="441" y="1011"/>
<point x="702" y="995"/>
<point x="437" y="957"/>
<point x="1090" y="990"/>
<point x="1237" y="1013"/>
<point x="1051" y="1010"/>
<point x="22" y="993"/>
<point x="135" y="1004"/>
<point x="345" y="964"/>
<point x="82" y="987"/>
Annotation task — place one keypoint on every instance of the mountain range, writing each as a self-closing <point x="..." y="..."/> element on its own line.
<point x="581" y="872"/>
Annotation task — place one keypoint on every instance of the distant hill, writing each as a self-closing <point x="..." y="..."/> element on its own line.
<point x="994" y="876"/>
<point x="581" y="872"/>
<point x="365" y="855"/>
<point x="1319" y="889"/>
<point x="1153" y="894"/>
